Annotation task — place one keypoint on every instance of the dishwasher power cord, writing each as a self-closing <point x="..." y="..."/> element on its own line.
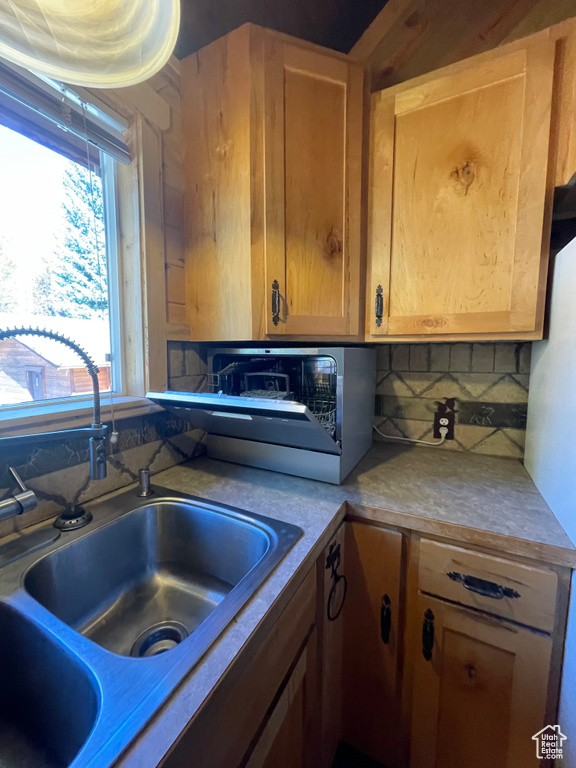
<point x="443" y="433"/>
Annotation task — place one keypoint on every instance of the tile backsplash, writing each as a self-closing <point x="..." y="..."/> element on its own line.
<point x="488" y="380"/>
<point x="58" y="472"/>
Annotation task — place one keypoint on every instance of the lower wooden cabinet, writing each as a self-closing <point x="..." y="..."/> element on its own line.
<point x="479" y="688"/>
<point x="413" y="650"/>
<point x="441" y="668"/>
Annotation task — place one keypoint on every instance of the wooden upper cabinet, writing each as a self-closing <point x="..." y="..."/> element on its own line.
<point x="272" y="131"/>
<point x="458" y="236"/>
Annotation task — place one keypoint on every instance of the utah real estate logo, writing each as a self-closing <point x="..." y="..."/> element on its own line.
<point x="549" y="743"/>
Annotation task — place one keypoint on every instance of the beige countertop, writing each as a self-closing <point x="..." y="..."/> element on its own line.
<point x="476" y="499"/>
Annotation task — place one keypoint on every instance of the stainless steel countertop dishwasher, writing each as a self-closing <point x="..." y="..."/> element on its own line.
<point x="99" y="627"/>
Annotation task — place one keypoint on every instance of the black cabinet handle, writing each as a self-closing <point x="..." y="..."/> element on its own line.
<point x="337" y="595"/>
<point x="379" y="305"/>
<point x="275" y="302"/>
<point x="428" y="634"/>
<point x="385" y="619"/>
<point x="482" y="587"/>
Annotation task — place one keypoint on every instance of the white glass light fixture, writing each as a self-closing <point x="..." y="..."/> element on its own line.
<point x="93" y="43"/>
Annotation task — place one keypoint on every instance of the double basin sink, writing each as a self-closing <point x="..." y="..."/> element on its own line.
<point x="100" y="627"/>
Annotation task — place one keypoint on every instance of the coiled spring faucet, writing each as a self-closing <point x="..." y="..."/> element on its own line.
<point x="96" y="432"/>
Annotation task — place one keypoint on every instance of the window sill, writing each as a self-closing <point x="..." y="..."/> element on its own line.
<point x="55" y="416"/>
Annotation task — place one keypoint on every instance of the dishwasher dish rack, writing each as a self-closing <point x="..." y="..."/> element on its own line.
<point x="322" y="404"/>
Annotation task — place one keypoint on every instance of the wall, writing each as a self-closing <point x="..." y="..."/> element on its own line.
<point x="167" y="85"/>
<point x="158" y="100"/>
<point x="551" y="437"/>
<point x="551" y="446"/>
<point x="173" y="187"/>
<point x="489" y="380"/>
<point x="187" y="367"/>
<point x="409" y="38"/>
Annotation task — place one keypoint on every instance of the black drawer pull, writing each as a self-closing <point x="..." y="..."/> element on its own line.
<point x="428" y="635"/>
<point x="482" y="587"/>
<point x="385" y="619"/>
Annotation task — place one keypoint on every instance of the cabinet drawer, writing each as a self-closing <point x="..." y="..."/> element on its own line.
<point x="504" y="588"/>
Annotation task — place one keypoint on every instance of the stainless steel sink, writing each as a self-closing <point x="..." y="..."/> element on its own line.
<point x="147" y="581"/>
<point x="48" y="700"/>
<point x="119" y="613"/>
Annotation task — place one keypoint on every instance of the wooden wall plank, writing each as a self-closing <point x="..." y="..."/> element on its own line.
<point x="411" y="37"/>
<point x="152" y="257"/>
<point x="173" y="207"/>
<point x="545" y="13"/>
<point x="176" y="314"/>
<point x="392" y="12"/>
<point x="175" y="284"/>
<point x="174" y="244"/>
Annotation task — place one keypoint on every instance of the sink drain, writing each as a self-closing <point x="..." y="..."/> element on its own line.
<point x="159" y="639"/>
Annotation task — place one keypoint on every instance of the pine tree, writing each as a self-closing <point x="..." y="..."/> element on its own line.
<point x="7" y="284"/>
<point x="43" y="297"/>
<point x="79" y="279"/>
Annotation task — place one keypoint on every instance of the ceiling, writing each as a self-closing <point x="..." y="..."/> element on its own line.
<point x="335" y="24"/>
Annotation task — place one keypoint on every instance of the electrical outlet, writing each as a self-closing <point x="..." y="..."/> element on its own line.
<point x="445" y="416"/>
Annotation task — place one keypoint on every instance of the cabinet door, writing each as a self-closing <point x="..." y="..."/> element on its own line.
<point x="457" y="240"/>
<point x="481" y="695"/>
<point x="313" y="141"/>
<point x="282" y="743"/>
<point x="372" y="638"/>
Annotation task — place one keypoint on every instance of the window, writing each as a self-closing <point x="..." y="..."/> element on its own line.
<point x="58" y="260"/>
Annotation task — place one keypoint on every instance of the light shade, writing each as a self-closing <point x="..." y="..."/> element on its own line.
<point x="94" y="43"/>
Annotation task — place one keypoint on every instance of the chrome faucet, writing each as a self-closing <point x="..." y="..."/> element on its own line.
<point x="96" y="433"/>
<point x="20" y="502"/>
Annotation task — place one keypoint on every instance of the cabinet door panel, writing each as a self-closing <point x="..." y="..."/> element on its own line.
<point x="313" y="167"/>
<point x="372" y="641"/>
<point x="482" y="695"/>
<point x="281" y="744"/>
<point x="315" y="185"/>
<point x="458" y="185"/>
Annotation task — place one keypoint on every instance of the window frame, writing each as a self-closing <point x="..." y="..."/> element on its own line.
<point x="113" y="270"/>
<point x="140" y="274"/>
